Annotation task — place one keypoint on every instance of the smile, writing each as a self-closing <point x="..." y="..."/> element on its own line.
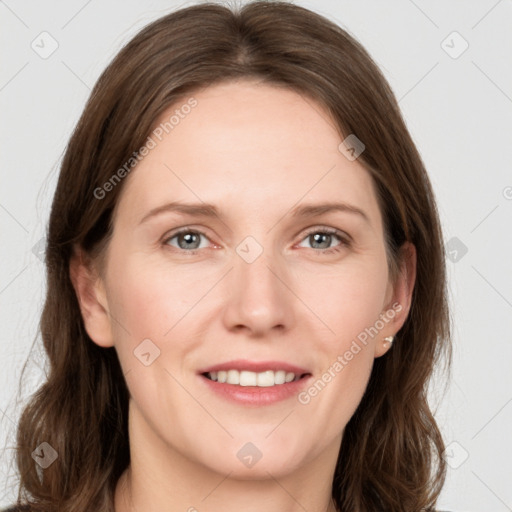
<point x="266" y="378"/>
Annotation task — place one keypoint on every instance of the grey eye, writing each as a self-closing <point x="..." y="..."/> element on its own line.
<point x="187" y="240"/>
<point x="321" y="240"/>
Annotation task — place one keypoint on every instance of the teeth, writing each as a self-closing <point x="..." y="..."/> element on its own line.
<point x="234" y="378"/>
<point x="246" y="378"/>
<point x="280" y="377"/>
<point x="266" y="379"/>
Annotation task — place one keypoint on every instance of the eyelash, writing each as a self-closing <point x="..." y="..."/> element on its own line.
<point x="344" y="241"/>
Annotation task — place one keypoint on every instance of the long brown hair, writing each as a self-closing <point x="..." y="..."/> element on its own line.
<point x="391" y="457"/>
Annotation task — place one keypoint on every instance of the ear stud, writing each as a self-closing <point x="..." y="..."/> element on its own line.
<point x="388" y="341"/>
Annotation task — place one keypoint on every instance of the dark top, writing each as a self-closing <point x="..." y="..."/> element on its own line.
<point x="26" y="508"/>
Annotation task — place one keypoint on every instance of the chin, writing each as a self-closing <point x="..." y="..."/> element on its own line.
<point x="247" y="462"/>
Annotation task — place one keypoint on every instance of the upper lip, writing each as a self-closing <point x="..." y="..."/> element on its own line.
<point x="254" y="366"/>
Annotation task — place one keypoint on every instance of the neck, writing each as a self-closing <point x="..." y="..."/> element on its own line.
<point x="124" y="501"/>
<point x="161" y="478"/>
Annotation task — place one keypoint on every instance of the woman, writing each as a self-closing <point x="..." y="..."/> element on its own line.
<point x="246" y="283"/>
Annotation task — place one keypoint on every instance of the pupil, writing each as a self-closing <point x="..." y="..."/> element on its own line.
<point x="189" y="237"/>
<point x="319" y="236"/>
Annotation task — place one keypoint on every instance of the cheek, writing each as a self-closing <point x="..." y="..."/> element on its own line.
<point x="149" y="299"/>
<point x="349" y="303"/>
<point x="346" y="300"/>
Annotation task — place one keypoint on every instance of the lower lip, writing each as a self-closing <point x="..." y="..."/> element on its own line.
<point x="255" y="395"/>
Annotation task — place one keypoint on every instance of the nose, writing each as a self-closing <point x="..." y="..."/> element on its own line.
<point x="259" y="299"/>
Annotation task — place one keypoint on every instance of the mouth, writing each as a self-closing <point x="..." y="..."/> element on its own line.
<point x="255" y="383"/>
<point x="244" y="378"/>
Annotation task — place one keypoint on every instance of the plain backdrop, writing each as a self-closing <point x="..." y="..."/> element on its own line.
<point x="449" y="64"/>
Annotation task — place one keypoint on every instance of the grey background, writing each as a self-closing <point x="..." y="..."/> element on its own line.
<point x="458" y="107"/>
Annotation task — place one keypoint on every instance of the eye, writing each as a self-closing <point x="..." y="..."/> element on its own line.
<point x="187" y="239"/>
<point x="322" y="238"/>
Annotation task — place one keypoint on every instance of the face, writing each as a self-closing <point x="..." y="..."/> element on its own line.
<point x="225" y="263"/>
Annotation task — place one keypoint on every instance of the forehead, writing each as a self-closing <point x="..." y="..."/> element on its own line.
<point x="249" y="147"/>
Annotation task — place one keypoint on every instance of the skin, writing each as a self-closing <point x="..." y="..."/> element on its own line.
<point x="256" y="152"/>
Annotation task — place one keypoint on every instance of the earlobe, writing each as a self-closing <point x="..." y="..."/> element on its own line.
<point x="401" y="300"/>
<point x="91" y="297"/>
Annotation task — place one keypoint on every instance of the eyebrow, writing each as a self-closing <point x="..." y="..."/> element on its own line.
<point x="210" y="210"/>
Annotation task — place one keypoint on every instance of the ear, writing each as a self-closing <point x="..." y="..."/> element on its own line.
<point x="92" y="298"/>
<point x="400" y="297"/>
